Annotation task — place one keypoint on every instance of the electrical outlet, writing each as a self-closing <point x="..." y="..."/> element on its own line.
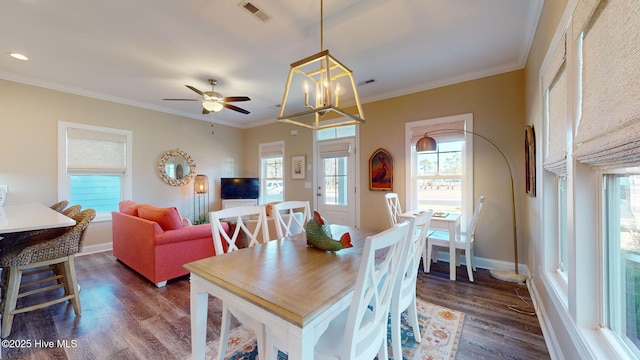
<point x="5" y="187"/>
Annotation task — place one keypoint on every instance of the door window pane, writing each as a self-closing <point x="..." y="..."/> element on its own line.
<point x="335" y="181"/>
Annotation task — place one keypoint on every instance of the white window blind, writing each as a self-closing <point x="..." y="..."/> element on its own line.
<point x="554" y="83"/>
<point x="274" y="149"/>
<point x="608" y="132"/>
<point x="90" y="150"/>
<point x="334" y="149"/>
<point x="443" y="132"/>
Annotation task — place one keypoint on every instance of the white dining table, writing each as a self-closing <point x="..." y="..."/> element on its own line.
<point x="18" y="218"/>
<point x="449" y="221"/>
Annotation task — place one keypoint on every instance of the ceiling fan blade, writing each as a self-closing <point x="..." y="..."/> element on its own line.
<point x="184" y="99"/>
<point x="196" y="90"/>
<point x="233" y="107"/>
<point x="235" y="98"/>
<point x="205" y="111"/>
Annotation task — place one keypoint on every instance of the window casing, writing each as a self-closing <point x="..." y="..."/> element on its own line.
<point x="445" y="175"/>
<point x="94" y="167"/>
<point x="621" y="249"/>
<point x="271" y="172"/>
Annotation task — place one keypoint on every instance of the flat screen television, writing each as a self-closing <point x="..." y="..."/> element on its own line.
<point x="239" y="188"/>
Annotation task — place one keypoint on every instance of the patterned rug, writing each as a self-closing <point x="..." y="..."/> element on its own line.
<point x="440" y="329"/>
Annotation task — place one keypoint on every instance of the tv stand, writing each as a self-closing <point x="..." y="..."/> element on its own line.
<point x="229" y="203"/>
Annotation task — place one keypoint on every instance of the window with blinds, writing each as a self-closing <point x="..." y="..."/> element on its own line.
<point x="271" y="172"/>
<point x="607" y="138"/>
<point x="554" y="82"/>
<point x="441" y="180"/>
<point x="95" y="166"/>
<point x="608" y="132"/>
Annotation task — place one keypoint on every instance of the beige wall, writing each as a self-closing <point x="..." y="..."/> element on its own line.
<point x="550" y="311"/>
<point x="294" y="145"/>
<point x="28" y="124"/>
<point x="497" y="104"/>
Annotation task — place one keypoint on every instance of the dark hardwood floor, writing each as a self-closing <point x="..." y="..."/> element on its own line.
<point x="124" y="316"/>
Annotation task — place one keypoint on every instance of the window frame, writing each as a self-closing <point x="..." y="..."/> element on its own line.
<point x="267" y="151"/>
<point x="64" y="175"/>
<point x="611" y="328"/>
<point x="467" y="163"/>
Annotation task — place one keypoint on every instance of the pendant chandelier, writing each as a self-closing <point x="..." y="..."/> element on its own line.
<point x="322" y="83"/>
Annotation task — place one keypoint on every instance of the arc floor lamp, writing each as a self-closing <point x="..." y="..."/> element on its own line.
<point x="429" y="144"/>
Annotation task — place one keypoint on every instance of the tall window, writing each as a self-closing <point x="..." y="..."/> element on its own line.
<point x="271" y="172"/>
<point x="622" y="255"/>
<point x="438" y="179"/>
<point x="442" y="180"/>
<point x="94" y="166"/>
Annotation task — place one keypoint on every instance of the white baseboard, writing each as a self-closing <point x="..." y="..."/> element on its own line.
<point x="484" y="263"/>
<point x="91" y="249"/>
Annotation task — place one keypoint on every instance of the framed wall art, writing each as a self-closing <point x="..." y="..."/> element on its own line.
<point x="381" y="171"/>
<point x="298" y="167"/>
<point x="530" y="160"/>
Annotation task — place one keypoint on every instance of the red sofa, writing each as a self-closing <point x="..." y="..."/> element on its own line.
<point x="154" y="241"/>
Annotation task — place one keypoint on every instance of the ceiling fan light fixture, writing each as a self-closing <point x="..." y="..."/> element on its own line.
<point x="324" y="83"/>
<point x="212" y="106"/>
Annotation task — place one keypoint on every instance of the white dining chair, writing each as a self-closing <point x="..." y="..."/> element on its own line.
<point x="360" y="332"/>
<point x="463" y="242"/>
<point x="404" y="296"/>
<point x="225" y="243"/>
<point x="290" y="217"/>
<point x="394" y="209"/>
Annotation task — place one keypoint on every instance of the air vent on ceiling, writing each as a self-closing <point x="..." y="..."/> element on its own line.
<point x="366" y="82"/>
<point x="250" y="7"/>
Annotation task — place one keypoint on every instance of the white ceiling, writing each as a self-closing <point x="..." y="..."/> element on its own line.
<point x="139" y="52"/>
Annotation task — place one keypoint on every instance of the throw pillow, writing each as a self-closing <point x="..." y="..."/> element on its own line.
<point x="129" y="207"/>
<point x="167" y="218"/>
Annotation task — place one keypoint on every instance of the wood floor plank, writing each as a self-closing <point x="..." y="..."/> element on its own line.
<point x="124" y="316"/>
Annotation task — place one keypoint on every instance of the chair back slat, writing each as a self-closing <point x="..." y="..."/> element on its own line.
<point x="394" y="209"/>
<point x="239" y="218"/>
<point x="366" y="327"/>
<point x="471" y="229"/>
<point x="287" y="223"/>
<point x="418" y="231"/>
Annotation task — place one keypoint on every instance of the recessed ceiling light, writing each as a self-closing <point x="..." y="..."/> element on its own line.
<point x="19" y="56"/>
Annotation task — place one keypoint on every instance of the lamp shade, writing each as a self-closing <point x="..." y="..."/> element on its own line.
<point x="426" y="144"/>
<point x="201" y="184"/>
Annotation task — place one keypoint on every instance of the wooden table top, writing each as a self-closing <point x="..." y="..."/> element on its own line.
<point x="285" y="276"/>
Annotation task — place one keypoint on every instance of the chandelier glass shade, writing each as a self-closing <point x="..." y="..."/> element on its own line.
<point x="321" y="85"/>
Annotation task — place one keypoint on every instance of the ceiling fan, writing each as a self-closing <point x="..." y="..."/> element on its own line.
<point x="213" y="101"/>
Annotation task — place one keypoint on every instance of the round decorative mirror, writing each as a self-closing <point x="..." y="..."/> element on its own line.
<point x="176" y="167"/>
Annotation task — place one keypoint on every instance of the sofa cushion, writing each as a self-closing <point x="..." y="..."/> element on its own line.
<point x="167" y="218"/>
<point x="129" y="207"/>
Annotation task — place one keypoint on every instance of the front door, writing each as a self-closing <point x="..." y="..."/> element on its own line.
<point x="336" y="182"/>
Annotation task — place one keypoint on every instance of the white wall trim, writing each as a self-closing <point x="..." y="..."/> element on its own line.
<point x="92" y="249"/>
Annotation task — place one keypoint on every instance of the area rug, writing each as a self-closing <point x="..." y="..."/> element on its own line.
<point x="439" y="327"/>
